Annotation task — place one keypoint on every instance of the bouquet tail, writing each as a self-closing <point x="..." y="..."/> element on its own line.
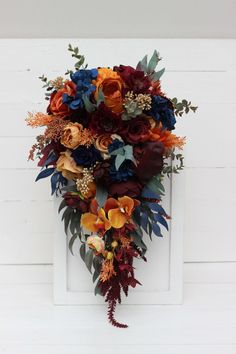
<point x="111" y="313"/>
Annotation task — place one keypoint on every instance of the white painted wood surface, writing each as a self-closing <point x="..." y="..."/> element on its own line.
<point x="202" y="70"/>
<point x="204" y="324"/>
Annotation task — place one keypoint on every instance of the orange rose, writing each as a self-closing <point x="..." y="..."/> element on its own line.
<point x="57" y="107"/>
<point x="66" y="164"/>
<point x="71" y="135"/>
<point x="111" y="85"/>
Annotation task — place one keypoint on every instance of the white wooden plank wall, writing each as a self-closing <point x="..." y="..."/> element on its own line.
<point x="201" y="70"/>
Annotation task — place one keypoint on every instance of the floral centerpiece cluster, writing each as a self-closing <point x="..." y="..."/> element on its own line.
<point x="107" y="145"/>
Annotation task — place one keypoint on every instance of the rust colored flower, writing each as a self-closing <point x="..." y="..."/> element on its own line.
<point x="111" y="85"/>
<point x="164" y="136"/>
<point x="57" y="107"/>
<point x="120" y="211"/>
<point x="155" y="88"/>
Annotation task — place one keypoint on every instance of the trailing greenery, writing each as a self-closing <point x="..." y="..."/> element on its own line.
<point x="182" y="107"/>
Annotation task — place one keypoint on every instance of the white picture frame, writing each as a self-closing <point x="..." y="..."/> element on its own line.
<point x="66" y="268"/>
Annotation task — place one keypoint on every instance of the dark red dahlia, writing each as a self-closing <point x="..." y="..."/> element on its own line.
<point x="135" y="80"/>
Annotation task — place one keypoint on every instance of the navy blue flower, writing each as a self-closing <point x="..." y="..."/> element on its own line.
<point x="124" y="173"/>
<point x="86" y="156"/>
<point x="84" y="87"/>
<point x="116" y="144"/>
<point x="162" y="111"/>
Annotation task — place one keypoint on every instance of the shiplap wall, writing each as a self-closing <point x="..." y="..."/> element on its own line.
<point x="201" y="70"/>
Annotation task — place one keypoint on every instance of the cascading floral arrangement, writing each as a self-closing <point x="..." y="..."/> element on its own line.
<point x="107" y="146"/>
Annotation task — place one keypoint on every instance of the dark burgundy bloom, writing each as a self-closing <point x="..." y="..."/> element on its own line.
<point x="101" y="172"/>
<point x="135" y="80"/>
<point x="150" y="160"/>
<point x="132" y="188"/>
<point x="80" y="116"/>
<point x="135" y="129"/>
<point x="105" y="121"/>
<point x="74" y="201"/>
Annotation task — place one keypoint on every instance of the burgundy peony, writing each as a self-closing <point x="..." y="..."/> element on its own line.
<point x="132" y="188"/>
<point x="135" y="129"/>
<point x="135" y="80"/>
<point x="105" y="121"/>
<point x="150" y="160"/>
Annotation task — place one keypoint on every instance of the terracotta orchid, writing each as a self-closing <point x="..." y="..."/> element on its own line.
<point x="116" y="213"/>
<point x="96" y="220"/>
<point x="120" y="211"/>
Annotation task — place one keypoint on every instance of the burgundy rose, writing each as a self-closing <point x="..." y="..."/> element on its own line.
<point x="135" y="129"/>
<point x="132" y="188"/>
<point x="105" y="121"/>
<point x="150" y="160"/>
<point x="134" y="79"/>
<point x="74" y="201"/>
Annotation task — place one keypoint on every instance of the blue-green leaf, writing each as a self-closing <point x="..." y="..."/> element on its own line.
<point x="142" y="65"/>
<point x="89" y="106"/>
<point x="153" y="62"/>
<point x="119" y="160"/>
<point x="156" y="76"/>
<point x="101" y="194"/>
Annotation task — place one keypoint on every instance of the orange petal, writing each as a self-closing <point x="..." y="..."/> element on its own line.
<point x="102" y="216"/>
<point x="94" y="206"/>
<point x="111" y="203"/>
<point x="136" y="202"/>
<point x="116" y="218"/>
<point x="127" y="204"/>
<point x="89" y="222"/>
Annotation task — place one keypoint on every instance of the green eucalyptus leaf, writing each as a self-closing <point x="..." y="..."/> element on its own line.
<point x="97" y="290"/>
<point x="82" y="251"/>
<point x="100" y="98"/>
<point x="119" y="151"/>
<point x="153" y="62"/>
<point x="156" y="76"/>
<point x="62" y="206"/>
<point x="142" y="65"/>
<point x="101" y="194"/>
<point x="71" y="243"/>
<point x="89" y="106"/>
<point x="119" y="160"/>
<point x="89" y="259"/>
